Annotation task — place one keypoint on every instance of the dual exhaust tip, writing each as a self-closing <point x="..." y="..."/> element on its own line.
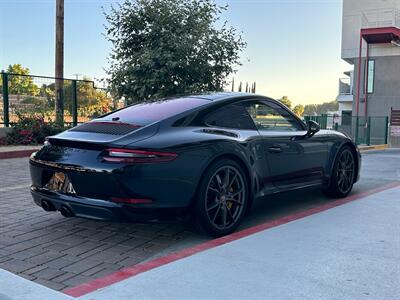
<point x="64" y="210"/>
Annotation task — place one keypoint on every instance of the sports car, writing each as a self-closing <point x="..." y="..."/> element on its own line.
<point x="207" y="157"/>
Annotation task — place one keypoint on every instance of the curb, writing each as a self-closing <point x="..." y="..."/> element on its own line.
<point x="374" y="147"/>
<point x="17" y="154"/>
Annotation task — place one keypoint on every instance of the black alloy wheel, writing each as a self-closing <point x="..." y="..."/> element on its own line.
<point x="222" y="200"/>
<point x="343" y="174"/>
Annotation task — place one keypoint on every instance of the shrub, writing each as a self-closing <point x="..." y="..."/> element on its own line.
<point x="37" y="101"/>
<point x="31" y="129"/>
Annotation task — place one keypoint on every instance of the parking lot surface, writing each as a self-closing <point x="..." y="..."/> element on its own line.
<point x="59" y="253"/>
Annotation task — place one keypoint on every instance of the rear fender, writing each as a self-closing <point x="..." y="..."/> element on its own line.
<point x="238" y="154"/>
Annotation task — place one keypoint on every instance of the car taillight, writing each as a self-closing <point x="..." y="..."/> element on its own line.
<point x="137" y="156"/>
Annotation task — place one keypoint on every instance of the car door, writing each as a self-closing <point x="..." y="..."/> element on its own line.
<point x="235" y="118"/>
<point x="294" y="159"/>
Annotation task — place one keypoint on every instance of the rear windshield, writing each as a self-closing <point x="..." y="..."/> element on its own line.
<point x="146" y="113"/>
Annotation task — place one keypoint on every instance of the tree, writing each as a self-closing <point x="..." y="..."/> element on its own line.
<point x="91" y="101"/>
<point x="21" y="85"/>
<point x="169" y="47"/>
<point x="48" y="91"/>
<point x="318" y="109"/>
<point x="285" y="100"/>
<point x="310" y="110"/>
<point x="299" y="110"/>
<point x="253" y="89"/>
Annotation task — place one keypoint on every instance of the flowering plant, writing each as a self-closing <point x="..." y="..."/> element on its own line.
<point x="31" y="128"/>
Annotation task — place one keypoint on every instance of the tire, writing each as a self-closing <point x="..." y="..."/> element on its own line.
<point x="343" y="174"/>
<point x="220" y="207"/>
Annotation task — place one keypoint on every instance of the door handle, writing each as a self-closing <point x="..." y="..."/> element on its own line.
<point x="275" y="149"/>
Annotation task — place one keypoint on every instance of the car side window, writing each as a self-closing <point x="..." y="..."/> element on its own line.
<point x="233" y="116"/>
<point x="269" y="116"/>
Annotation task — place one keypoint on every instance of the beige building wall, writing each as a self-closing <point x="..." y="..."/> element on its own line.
<point x="359" y="14"/>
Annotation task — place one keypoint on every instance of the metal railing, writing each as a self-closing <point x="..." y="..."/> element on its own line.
<point x="363" y="130"/>
<point x="345" y="87"/>
<point x="36" y="94"/>
<point x="378" y="18"/>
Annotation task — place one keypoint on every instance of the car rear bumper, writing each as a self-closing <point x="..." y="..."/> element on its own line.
<point x="96" y="209"/>
<point x="154" y="185"/>
<point x="79" y="207"/>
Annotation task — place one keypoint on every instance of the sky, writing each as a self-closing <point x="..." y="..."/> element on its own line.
<point x="293" y="46"/>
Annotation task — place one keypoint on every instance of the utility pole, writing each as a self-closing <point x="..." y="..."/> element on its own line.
<point x="59" y="66"/>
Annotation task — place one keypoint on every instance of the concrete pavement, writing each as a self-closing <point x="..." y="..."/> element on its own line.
<point x="348" y="252"/>
<point x="14" y="287"/>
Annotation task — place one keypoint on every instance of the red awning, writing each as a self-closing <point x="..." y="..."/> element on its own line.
<point x="380" y="35"/>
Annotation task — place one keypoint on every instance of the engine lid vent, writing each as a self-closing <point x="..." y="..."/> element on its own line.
<point x="114" y="128"/>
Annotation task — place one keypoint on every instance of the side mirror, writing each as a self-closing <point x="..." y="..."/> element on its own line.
<point x="312" y="128"/>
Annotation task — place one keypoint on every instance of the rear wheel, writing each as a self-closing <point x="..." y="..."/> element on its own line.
<point x="222" y="199"/>
<point x="343" y="174"/>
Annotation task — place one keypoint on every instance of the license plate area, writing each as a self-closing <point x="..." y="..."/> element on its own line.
<point x="61" y="183"/>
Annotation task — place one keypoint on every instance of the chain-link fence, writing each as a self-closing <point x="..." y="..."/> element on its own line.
<point x="363" y="130"/>
<point x="21" y="94"/>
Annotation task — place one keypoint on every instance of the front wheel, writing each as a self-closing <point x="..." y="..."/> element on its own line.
<point x="222" y="199"/>
<point x="343" y="174"/>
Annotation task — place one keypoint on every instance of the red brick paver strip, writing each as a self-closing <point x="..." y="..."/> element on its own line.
<point x="17" y="151"/>
<point x="58" y="252"/>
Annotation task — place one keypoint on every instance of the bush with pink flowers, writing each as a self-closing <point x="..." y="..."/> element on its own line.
<point x="31" y="129"/>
